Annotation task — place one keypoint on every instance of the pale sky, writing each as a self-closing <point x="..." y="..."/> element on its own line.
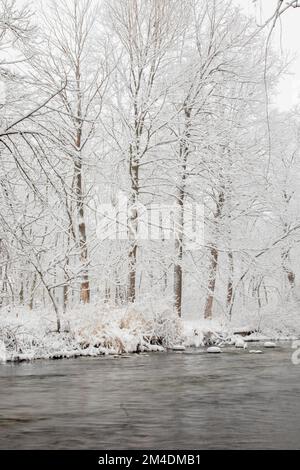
<point x="285" y="38"/>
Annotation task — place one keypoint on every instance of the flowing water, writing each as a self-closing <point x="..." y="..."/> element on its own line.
<point x="190" y="400"/>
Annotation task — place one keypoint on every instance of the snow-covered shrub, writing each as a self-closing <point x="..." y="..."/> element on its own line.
<point x="88" y="331"/>
<point x="165" y="328"/>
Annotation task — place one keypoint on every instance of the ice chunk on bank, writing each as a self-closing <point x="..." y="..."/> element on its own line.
<point x="178" y="347"/>
<point x="214" y="350"/>
<point x="269" y="344"/>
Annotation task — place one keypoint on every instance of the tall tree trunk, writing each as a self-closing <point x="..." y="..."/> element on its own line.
<point x="133" y="216"/>
<point x="21" y="293"/>
<point x="230" y="281"/>
<point x="178" y="274"/>
<point x="107" y="292"/>
<point x="214" y="254"/>
<point x="66" y="287"/>
<point x="179" y="228"/>
<point x="132" y="274"/>
<point x="32" y="291"/>
<point x="85" y="284"/>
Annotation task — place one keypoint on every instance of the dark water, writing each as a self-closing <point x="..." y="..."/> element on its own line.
<point x="233" y="400"/>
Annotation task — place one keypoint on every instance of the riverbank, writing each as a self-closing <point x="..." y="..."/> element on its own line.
<point x="96" y="330"/>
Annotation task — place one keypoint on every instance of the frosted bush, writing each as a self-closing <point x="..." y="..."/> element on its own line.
<point x="88" y="331"/>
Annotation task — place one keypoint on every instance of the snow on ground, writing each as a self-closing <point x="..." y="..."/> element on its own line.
<point x="95" y="330"/>
<point x="86" y="331"/>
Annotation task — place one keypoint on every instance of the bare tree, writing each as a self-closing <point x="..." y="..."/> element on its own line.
<point x="72" y="58"/>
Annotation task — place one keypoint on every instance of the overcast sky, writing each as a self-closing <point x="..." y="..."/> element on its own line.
<point x="285" y="38"/>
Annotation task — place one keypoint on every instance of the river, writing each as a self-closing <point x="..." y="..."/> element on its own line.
<point x="187" y="400"/>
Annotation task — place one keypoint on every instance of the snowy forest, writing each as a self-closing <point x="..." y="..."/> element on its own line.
<point x="117" y="112"/>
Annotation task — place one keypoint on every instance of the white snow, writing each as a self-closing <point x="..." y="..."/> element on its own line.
<point x="100" y="329"/>
<point x="200" y="332"/>
<point x="240" y="343"/>
<point x="269" y="344"/>
<point x="214" y="350"/>
<point x="178" y="347"/>
<point x="88" y="331"/>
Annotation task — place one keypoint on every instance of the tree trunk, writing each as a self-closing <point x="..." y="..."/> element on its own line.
<point x="230" y="281"/>
<point x="285" y="256"/>
<point x="133" y="217"/>
<point x="178" y="286"/>
<point x="178" y="274"/>
<point x="85" y="285"/>
<point x="107" y="293"/>
<point x="179" y="228"/>
<point x="32" y="291"/>
<point x="214" y="254"/>
<point x="132" y="272"/>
